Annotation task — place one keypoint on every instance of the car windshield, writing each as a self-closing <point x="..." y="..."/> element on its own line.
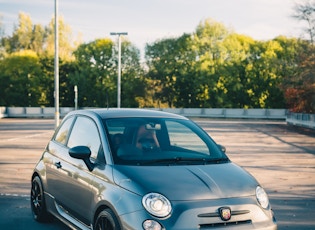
<point x="160" y="141"/>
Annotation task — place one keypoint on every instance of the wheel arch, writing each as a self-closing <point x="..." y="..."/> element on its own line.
<point x="102" y="207"/>
<point x="35" y="174"/>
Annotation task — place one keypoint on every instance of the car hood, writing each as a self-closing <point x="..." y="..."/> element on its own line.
<point x="189" y="182"/>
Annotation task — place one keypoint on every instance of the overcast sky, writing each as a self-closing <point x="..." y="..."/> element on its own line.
<point x="149" y="20"/>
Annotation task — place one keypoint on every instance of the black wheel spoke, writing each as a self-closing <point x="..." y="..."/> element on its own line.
<point x="37" y="200"/>
<point x="103" y="223"/>
<point x="107" y="221"/>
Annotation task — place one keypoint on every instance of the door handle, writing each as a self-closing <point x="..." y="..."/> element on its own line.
<point x="58" y="165"/>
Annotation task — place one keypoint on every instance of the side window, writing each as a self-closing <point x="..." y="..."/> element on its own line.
<point x="63" y="131"/>
<point x="85" y="133"/>
<point x="183" y="137"/>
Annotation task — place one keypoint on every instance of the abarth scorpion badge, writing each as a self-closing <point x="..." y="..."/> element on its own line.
<point x="225" y="213"/>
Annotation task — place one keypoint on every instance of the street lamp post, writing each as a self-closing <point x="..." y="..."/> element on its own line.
<point x="56" y="67"/>
<point x="119" y="66"/>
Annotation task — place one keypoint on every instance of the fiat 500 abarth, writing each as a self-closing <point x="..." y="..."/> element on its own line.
<point x="143" y="169"/>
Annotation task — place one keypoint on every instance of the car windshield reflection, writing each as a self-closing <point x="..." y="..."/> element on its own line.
<point x="159" y="141"/>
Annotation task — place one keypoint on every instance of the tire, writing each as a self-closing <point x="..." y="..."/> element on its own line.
<point x="38" y="205"/>
<point x="106" y="220"/>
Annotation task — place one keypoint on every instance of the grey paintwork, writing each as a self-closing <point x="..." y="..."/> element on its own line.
<point x="76" y="194"/>
<point x="189" y="182"/>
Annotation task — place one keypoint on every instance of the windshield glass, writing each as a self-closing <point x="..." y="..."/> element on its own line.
<point x="157" y="141"/>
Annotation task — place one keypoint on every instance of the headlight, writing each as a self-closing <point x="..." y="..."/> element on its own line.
<point x="157" y="204"/>
<point x="262" y="197"/>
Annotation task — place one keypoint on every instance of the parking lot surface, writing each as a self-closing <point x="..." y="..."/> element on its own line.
<point x="281" y="157"/>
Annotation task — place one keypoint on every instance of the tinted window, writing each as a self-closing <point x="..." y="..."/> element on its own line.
<point x="85" y="133"/>
<point x="63" y="131"/>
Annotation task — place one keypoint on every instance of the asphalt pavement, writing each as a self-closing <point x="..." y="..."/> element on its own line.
<point x="281" y="157"/>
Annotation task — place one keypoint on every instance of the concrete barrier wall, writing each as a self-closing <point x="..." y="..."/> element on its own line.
<point x="231" y="113"/>
<point x="306" y="120"/>
<point x="34" y="112"/>
<point x="3" y="112"/>
<point x="301" y="119"/>
<point x="189" y="112"/>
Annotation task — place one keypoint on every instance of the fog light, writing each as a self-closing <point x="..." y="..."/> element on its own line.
<point x="151" y="225"/>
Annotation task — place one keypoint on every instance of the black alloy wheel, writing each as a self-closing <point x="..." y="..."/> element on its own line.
<point x="38" y="201"/>
<point x="106" y="220"/>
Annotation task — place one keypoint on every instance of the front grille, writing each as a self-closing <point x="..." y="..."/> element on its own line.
<point x="216" y="214"/>
<point x="223" y="224"/>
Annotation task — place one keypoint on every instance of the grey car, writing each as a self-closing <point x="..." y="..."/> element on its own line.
<point x="143" y="169"/>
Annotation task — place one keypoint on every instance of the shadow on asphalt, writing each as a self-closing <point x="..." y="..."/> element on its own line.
<point x="290" y="213"/>
<point x="16" y="215"/>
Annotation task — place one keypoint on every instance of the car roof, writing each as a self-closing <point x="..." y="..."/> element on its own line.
<point x="116" y="113"/>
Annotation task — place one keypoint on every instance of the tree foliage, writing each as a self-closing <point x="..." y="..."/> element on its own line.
<point x="210" y="68"/>
<point x="95" y="73"/>
<point x="299" y="85"/>
<point x="215" y="67"/>
<point x="132" y="75"/>
<point x="20" y="79"/>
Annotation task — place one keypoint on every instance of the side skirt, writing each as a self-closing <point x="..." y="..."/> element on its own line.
<point x="63" y="215"/>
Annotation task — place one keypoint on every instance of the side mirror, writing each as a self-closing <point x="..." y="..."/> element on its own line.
<point x="83" y="153"/>
<point x="222" y="148"/>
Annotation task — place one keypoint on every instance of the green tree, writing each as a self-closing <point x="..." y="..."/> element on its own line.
<point x="208" y="39"/>
<point x="47" y="81"/>
<point x="132" y="75"/>
<point x="20" y="74"/>
<point x="22" y="35"/>
<point x="96" y="74"/>
<point x="232" y="86"/>
<point x="161" y="60"/>
<point x="26" y="36"/>
<point x="38" y="39"/>
<point x="186" y="84"/>
<point x="263" y="74"/>
<point x="67" y="69"/>
<point x="65" y="40"/>
<point x="2" y="44"/>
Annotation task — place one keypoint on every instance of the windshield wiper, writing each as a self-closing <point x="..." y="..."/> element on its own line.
<point x="184" y="159"/>
<point x="217" y="160"/>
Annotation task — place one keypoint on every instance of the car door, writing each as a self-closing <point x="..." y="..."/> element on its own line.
<point x="73" y="185"/>
<point x="58" y="171"/>
<point x="84" y="133"/>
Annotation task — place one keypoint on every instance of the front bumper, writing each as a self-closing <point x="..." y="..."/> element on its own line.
<point x="203" y="214"/>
